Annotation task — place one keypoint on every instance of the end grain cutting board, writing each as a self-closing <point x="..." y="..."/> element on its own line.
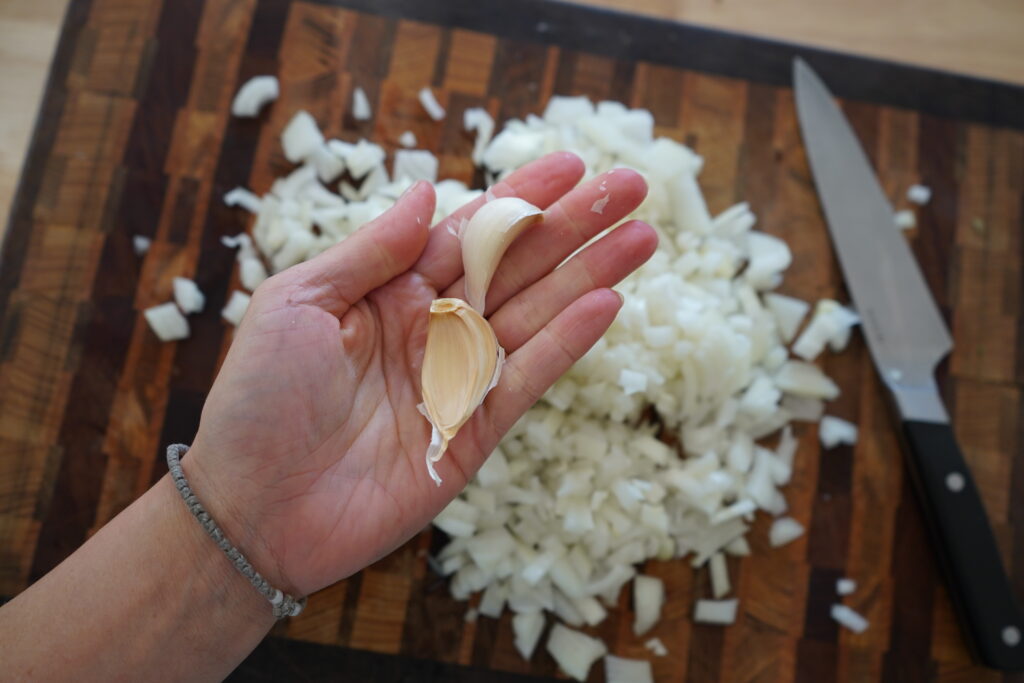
<point x="134" y="138"/>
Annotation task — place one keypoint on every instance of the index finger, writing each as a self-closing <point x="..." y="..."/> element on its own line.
<point x="541" y="182"/>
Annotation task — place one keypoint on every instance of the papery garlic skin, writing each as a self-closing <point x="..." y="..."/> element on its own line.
<point x="461" y="364"/>
<point x="485" y="239"/>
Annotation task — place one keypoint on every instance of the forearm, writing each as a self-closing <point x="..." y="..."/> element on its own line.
<point x="149" y="597"/>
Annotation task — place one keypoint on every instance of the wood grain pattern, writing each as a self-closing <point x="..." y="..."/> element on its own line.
<point x="135" y="139"/>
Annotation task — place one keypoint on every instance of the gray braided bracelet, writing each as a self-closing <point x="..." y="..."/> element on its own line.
<point x="284" y="605"/>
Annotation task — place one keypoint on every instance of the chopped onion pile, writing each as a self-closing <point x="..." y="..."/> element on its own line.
<point x="582" y="489"/>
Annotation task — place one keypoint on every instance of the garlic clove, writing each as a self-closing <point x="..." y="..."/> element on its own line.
<point x="461" y="363"/>
<point x="486" y="238"/>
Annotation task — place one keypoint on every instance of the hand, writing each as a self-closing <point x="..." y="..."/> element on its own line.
<point x="310" y="451"/>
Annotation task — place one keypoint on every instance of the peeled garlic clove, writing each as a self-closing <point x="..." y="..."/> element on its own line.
<point x="486" y="237"/>
<point x="461" y="363"/>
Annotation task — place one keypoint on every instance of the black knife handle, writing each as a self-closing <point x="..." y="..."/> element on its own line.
<point x="967" y="548"/>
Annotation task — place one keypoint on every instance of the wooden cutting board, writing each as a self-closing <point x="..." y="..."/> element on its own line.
<point x="134" y="138"/>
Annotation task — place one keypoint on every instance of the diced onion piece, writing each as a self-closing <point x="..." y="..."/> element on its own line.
<point x="648" y="598"/>
<point x="575" y="652"/>
<point x="716" y="611"/>
<point x="738" y="547"/>
<point x="243" y="198"/>
<point x="256" y="93"/>
<point x="803" y="379"/>
<point x="834" y="431"/>
<point x="431" y="105"/>
<point x="415" y="164"/>
<point x="619" y="670"/>
<point x="141" y="244"/>
<point x="188" y="295"/>
<point x="769" y="256"/>
<point x="784" y="530"/>
<point x="919" y="194"/>
<point x="527" y="627"/>
<point x="480" y="121"/>
<point x="301" y="138"/>
<point x="327" y="163"/>
<point x="656" y="646"/>
<point x="493" y="600"/>
<point x="236" y="307"/>
<point x="167" y="322"/>
<point x="511" y="150"/>
<point x="789" y="312"/>
<point x="830" y="325"/>
<point x="905" y="219"/>
<point x="361" y="110"/>
<point x="849" y="618"/>
<point x="363" y="157"/>
<point x="632" y="382"/>
<point x="407" y="139"/>
<point x="720" y="585"/>
<point x="803" y="408"/>
<point x="845" y="586"/>
<point x="561" y="109"/>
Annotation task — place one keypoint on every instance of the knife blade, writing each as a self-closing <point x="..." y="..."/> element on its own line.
<point x="907" y="338"/>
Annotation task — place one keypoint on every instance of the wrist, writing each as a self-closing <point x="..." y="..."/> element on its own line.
<point x="213" y="577"/>
<point x="237" y="519"/>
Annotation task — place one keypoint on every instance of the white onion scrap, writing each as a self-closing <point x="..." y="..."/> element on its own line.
<point x="431" y="105"/>
<point x="619" y="670"/>
<point x="919" y="194"/>
<point x="715" y="611"/>
<point x="256" y="93"/>
<point x="407" y="139"/>
<point x="845" y="586"/>
<point x="575" y="652"/>
<point x="235" y="308"/>
<point x="835" y="431"/>
<point x="361" y="110"/>
<point x="301" y="137"/>
<point x="167" y="322"/>
<point x="141" y="244"/>
<point x="188" y="295"/>
<point x="905" y="219"/>
<point x="849" y="618"/>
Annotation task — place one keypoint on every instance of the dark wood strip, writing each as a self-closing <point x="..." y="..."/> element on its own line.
<point x="516" y="76"/>
<point x="940" y="144"/>
<point x="166" y="88"/>
<point x="638" y="38"/>
<point x="434" y="621"/>
<point x="19" y="226"/>
<point x="914" y="580"/>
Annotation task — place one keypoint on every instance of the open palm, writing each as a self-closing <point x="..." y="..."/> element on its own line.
<point x="311" y="450"/>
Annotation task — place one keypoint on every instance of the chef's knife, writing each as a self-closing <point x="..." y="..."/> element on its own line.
<point x="907" y="338"/>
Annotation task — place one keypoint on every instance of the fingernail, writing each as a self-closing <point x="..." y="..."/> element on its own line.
<point x="622" y="299"/>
